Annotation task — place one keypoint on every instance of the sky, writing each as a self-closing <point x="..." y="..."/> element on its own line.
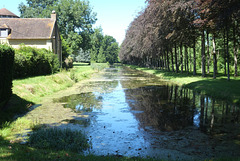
<point x="114" y="16"/>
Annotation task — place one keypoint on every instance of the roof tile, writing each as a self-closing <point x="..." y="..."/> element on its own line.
<point x="6" y="12"/>
<point x="29" y="28"/>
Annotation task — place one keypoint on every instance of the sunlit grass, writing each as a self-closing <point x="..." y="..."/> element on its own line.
<point x="219" y="87"/>
<point x="9" y="130"/>
<point x="35" y="88"/>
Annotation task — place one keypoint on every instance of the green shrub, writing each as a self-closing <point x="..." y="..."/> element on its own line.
<point x="33" y="62"/>
<point x="59" y="139"/>
<point x="73" y="76"/>
<point x="6" y="70"/>
<point x="68" y="62"/>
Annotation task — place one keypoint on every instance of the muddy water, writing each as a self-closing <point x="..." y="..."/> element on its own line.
<point x="130" y="113"/>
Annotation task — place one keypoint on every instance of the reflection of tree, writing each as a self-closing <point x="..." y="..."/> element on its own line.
<point x="84" y="102"/>
<point x="104" y="86"/>
<point x="173" y="108"/>
<point x="159" y="109"/>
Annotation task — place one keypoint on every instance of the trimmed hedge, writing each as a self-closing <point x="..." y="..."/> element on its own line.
<point x="6" y="73"/>
<point x="31" y="61"/>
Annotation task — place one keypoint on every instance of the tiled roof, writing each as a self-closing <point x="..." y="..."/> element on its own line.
<point x="4" y="26"/>
<point x="29" y="28"/>
<point x="5" y="12"/>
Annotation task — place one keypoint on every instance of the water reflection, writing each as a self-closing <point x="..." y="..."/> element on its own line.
<point x="139" y="115"/>
<point x="163" y="108"/>
<point x="83" y="102"/>
<point x="171" y="108"/>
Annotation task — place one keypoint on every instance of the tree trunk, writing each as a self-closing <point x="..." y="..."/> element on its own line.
<point x="186" y="60"/>
<point x="176" y="62"/>
<point x="203" y="55"/>
<point x="172" y="59"/>
<point x="235" y="51"/>
<point x="168" y="68"/>
<point x="208" y="54"/>
<point x="194" y="58"/>
<point x="214" y="58"/>
<point x="190" y="61"/>
<point x="218" y="55"/>
<point x="228" y="70"/>
<point x="225" y="54"/>
<point x="181" y="57"/>
<point x="163" y="61"/>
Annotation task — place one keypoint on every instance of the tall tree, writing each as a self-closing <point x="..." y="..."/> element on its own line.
<point x="165" y="26"/>
<point x="104" y="48"/>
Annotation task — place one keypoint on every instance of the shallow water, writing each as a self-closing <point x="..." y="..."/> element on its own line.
<point x="131" y="113"/>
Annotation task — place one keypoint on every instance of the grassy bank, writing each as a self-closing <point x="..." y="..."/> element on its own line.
<point x="35" y="88"/>
<point x="29" y="91"/>
<point x="219" y="87"/>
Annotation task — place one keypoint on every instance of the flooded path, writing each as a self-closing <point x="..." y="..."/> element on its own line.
<point x="131" y="113"/>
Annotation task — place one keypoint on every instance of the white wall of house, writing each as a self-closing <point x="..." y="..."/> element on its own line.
<point x="47" y="44"/>
<point x="3" y="41"/>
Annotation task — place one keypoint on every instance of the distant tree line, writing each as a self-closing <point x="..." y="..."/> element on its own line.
<point x="104" y="48"/>
<point x="186" y="35"/>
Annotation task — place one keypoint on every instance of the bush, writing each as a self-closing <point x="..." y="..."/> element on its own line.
<point x="68" y="63"/>
<point x="6" y="70"/>
<point x="33" y="62"/>
<point x="59" y="139"/>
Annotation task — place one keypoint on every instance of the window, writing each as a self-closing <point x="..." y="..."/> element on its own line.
<point x="3" y="32"/>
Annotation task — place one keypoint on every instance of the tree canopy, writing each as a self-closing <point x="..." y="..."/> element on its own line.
<point x="185" y="35"/>
<point x="104" y="48"/>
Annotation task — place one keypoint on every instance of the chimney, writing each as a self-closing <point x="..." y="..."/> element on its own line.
<point x="53" y="15"/>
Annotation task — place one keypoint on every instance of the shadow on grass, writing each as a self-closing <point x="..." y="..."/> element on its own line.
<point x="81" y="64"/>
<point x="15" y="106"/>
<point x="185" y="74"/>
<point x="179" y="74"/>
<point x="220" y="88"/>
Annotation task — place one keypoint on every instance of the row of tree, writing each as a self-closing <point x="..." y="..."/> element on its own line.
<point x="75" y="21"/>
<point x="104" y="49"/>
<point x="185" y="35"/>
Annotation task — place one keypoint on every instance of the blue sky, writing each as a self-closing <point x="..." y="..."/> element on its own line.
<point x="114" y="16"/>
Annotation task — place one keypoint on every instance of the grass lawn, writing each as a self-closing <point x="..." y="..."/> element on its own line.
<point x="220" y="87"/>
